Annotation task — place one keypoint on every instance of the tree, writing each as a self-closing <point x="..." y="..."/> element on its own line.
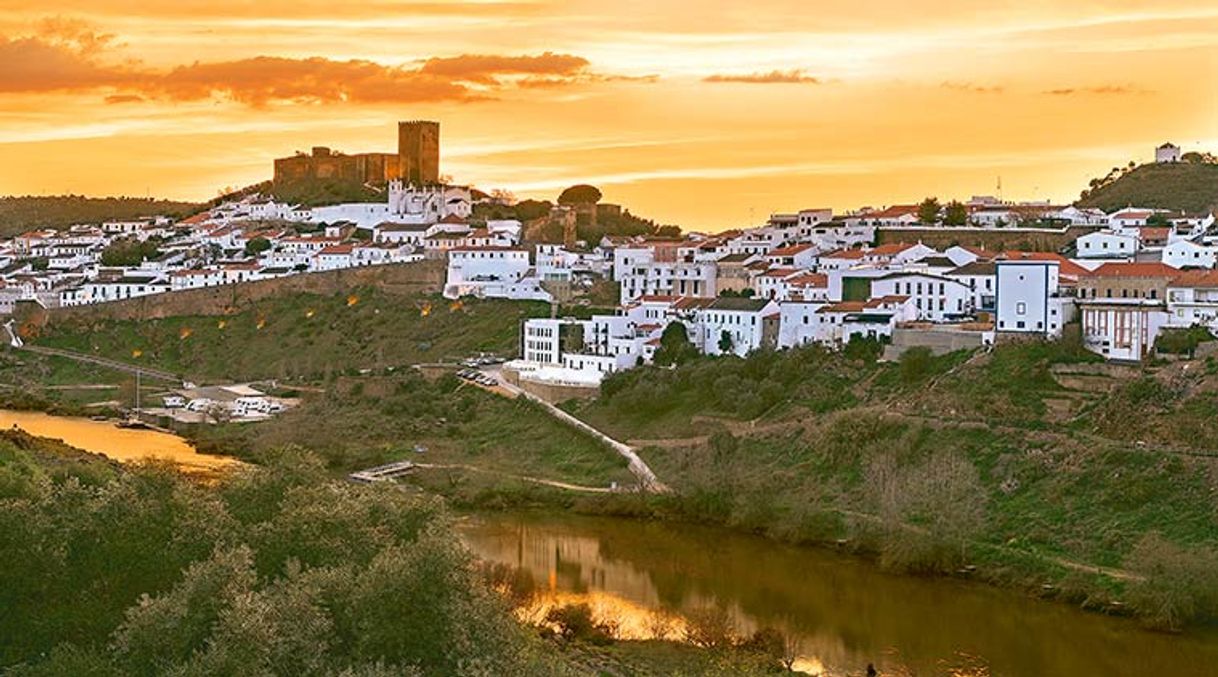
<point x="580" y="194"/>
<point x="955" y="214"/>
<point x="928" y="211"/>
<point x="257" y="245"/>
<point x="1158" y="220"/>
<point x="675" y="346"/>
<point x="129" y="251"/>
<point x="725" y="342"/>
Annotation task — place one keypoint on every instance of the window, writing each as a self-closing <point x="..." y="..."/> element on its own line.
<point x="1021" y="308"/>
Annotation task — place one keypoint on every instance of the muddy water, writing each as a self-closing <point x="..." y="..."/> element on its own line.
<point x="120" y="444"/>
<point x="845" y="613"/>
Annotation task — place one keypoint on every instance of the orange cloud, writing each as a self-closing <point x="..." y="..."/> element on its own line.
<point x="1102" y="89"/>
<point x="973" y="88"/>
<point x="69" y="55"/>
<point x="772" y="77"/>
<point x="486" y="68"/>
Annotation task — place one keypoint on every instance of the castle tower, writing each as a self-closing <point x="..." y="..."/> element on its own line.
<point x="419" y="152"/>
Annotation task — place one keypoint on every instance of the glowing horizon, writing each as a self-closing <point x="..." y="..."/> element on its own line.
<point x="708" y="115"/>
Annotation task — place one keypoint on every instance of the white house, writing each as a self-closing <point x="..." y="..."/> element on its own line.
<point x="1167" y="153"/>
<point x="1192" y="299"/>
<point x="1028" y="299"/>
<point x="935" y="298"/>
<point x="1189" y="254"/>
<point x="740" y="324"/>
<point x="1108" y="244"/>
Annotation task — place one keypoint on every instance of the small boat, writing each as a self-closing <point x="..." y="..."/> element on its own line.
<point x="133" y="424"/>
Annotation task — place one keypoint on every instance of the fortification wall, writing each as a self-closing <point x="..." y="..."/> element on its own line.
<point x="1024" y="239"/>
<point x="423" y="277"/>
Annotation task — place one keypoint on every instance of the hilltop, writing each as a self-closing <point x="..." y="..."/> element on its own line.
<point x="19" y="214"/>
<point x="1189" y="186"/>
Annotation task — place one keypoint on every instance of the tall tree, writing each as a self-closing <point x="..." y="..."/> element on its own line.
<point x="955" y="214"/>
<point x="928" y="210"/>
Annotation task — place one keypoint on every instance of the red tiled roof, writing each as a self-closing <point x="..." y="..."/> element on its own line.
<point x="811" y="280"/>
<point x="889" y="249"/>
<point x="846" y="254"/>
<point x="1196" y="278"/>
<point x="790" y="250"/>
<point x="1065" y="266"/>
<point x="894" y="211"/>
<point x="781" y="272"/>
<point x="1145" y="269"/>
<point x="658" y="298"/>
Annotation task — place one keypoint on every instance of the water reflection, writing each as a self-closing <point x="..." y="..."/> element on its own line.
<point x="120" y="444"/>
<point x="844" y="613"/>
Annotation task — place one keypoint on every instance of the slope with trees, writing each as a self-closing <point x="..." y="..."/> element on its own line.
<point x="1190" y="186"/>
<point x="19" y="214"/>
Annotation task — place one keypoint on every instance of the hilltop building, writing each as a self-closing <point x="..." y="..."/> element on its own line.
<point x="416" y="162"/>
<point x="1168" y="153"/>
<point x="419" y="152"/>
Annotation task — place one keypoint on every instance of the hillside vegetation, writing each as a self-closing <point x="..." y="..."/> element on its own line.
<point x="1186" y="186"/>
<point x="305" y="336"/>
<point x="19" y="214"/>
<point x="1029" y="462"/>
<point x="279" y="569"/>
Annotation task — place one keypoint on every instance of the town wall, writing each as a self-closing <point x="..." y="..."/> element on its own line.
<point x="995" y="239"/>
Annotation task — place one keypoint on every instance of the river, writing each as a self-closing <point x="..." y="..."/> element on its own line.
<point x="844" y="612"/>
<point x="121" y="444"/>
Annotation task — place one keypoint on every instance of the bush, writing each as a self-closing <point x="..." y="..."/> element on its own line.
<point x="1178" y="586"/>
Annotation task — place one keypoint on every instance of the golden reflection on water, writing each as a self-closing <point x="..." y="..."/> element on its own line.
<point x="121" y="444"/>
<point x="648" y="579"/>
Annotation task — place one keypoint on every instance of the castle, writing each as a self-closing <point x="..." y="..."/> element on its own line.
<point x="417" y="161"/>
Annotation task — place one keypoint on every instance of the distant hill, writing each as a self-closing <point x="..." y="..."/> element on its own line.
<point x="19" y="214"/>
<point x="1188" y="186"/>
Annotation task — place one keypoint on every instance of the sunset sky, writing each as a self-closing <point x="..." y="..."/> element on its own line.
<point x="706" y="114"/>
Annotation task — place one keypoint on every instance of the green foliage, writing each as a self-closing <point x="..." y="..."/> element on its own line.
<point x="257" y="245"/>
<point x="288" y="573"/>
<point x="725" y="342"/>
<point x="928" y="210"/>
<point x="19" y="214"/>
<point x="320" y="192"/>
<point x="1191" y="187"/>
<point x="277" y="337"/>
<point x="916" y="364"/>
<point x="955" y="214"/>
<point x="675" y="346"/>
<point x="130" y="251"/>
<point x="863" y="348"/>
<point x="1178" y="586"/>
<point x="575" y="623"/>
<point x="1182" y="341"/>
<point x="580" y="194"/>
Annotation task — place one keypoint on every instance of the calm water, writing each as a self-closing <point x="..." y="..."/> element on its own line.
<point x="845" y="612"/>
<point x="120" y="444"/>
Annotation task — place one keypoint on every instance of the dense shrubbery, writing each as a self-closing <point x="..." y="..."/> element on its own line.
<point x="130" y="251"/>
<point x="1182" y="341"/>
<point x="1188" y="186"/>
<point x="280" y="571"/>
<point x="744" y="388"/>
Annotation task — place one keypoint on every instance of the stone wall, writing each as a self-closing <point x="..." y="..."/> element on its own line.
<point x="424" y="277"/>
<point x="997" y="239"/>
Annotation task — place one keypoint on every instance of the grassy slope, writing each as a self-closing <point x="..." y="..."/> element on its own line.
<point x="357" y="420"/>
<point x="1190" y="187"/>
<point x="305" y="335"/>
<point x="1050" y="487"/>
<point x="19" y="214"/>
